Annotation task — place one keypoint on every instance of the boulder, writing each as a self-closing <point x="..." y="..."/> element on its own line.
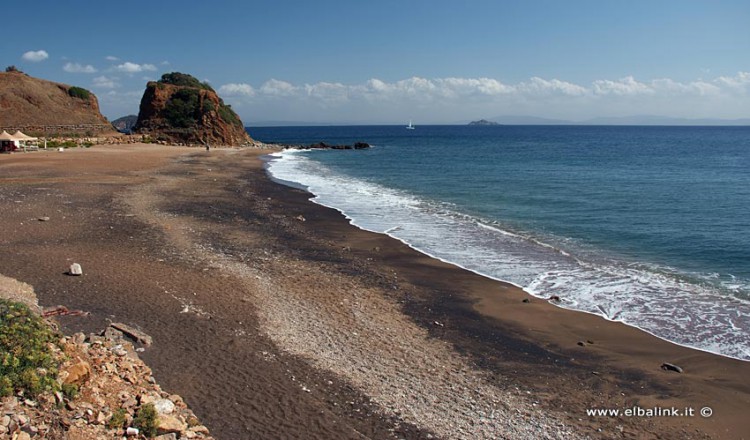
<point x="167" y="423"/>
<point x="77" y="373"/>
<point x="164" y="406"/>
<point x="133" y="333"/>
<point x="666" y="366"/>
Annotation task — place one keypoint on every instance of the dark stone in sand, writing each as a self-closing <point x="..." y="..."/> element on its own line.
<point x="131" y="332"/>
<point x="666" y="366"/>
<point x="526" y="300"/>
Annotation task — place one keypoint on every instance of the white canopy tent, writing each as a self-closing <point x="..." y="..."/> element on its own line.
<point x="23" y="137"/>
<point x="11" y="142"/>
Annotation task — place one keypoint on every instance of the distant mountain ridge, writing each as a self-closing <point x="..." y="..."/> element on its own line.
<point x="619" y="120"/>
<point x="126" y="123"/>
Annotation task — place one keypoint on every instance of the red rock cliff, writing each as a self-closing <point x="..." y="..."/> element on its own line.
<point x="179" y="108"/>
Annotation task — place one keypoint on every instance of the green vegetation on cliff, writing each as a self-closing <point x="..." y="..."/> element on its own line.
<point x="184" y="80"/>
<point x="79" y="92"/>
<point x="185" y="107"/>
<point x="183" y="110"/>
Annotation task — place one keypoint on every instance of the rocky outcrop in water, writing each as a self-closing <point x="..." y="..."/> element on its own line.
<point x="325" y="146"/>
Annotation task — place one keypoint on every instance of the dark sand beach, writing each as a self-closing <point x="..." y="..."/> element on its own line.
<point x="275" y="318"/>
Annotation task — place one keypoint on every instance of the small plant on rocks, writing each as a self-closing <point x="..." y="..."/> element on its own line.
<point x="118" y="419"/>
<point x="27" y="360"/>
<point x="70" y="390"/>
<point x="145" y="420"/>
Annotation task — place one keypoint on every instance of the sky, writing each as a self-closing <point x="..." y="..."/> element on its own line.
<point x="382" y="62"/>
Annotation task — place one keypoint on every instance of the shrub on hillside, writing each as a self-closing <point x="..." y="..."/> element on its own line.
<point x="228" y="115"/>
<point x="78" y="92"/>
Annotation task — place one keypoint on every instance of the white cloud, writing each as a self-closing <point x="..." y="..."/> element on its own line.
<point x="454" y="99"/>
<point x="739" y="82"/>
<point x="111" y="58"/>
<point x="105" y="82"/>
<point x="623" y="86"/>
<point x="275" y="87"/>
<point x="538" y="86"/>
<point x="237" y="90"/>
<point x="35" y="56"/>
<point x="128" y="67"/>
<point x="78" y="68"/>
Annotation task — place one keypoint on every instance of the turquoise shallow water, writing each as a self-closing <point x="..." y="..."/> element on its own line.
<point x="647" y="225"/>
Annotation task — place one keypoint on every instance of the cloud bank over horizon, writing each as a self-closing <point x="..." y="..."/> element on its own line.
<point x="452" y="99"/>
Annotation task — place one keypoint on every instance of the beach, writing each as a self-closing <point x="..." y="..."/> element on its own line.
<point x="275" y="318"/>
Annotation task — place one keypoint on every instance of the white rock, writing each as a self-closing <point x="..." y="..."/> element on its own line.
<point x="132" y="432"/>
<point x="75" y="269"/>
<point x="164" y="406"/>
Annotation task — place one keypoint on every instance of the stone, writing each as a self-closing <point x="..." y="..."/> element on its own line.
<point x="43" y="219"/>
<point x="5" y="421"/>
<point x="168" y="423"/>
<point x="75" y="270"/>
<point x="164" y="406"/>
<point x="132" y="432"/>
<point x="77" y="373"/>
<point x="133" y="333"/>
<point x="666" y="366"/>
<point x="23" y="436"/>
<point x="199" y="429"/>
<point x="170" y="436"/>
<point x="526" y="300"/>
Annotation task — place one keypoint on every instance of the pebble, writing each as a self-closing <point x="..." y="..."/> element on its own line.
<point x="75" y="270"/>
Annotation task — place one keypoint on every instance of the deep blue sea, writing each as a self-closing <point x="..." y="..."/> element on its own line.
<point x="645" y="225"/>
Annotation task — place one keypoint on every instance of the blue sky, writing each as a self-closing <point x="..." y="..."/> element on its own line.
<point x="388" y="61"/>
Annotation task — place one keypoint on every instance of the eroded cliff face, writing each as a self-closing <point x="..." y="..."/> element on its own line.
<point x="178" y="108"/>
<point x="35" y="105"/>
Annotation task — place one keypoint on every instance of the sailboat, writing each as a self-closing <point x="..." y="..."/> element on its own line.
<point x="410" y="126"/>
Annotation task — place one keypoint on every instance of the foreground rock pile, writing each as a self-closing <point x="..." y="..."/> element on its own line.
<point x="106" y="385"/>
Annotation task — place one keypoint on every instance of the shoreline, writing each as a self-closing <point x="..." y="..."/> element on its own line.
<point x="224" y="242"/>
<point x="490" y="277"/>
<point x="667" y="333"/>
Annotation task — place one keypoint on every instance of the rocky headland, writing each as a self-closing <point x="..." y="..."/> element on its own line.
<point x="180" y="109"/>
<point x="40" y="107"/>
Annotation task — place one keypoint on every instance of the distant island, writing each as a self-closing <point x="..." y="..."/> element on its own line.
<point x="483" y="122"/>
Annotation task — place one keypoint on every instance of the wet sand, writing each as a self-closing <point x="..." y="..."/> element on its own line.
<point x="275" y="318"/>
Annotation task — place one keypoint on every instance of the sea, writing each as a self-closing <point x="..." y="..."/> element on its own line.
<point x="645" y="225"/>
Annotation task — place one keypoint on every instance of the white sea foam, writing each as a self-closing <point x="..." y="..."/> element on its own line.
<point x="655" y="299"/>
